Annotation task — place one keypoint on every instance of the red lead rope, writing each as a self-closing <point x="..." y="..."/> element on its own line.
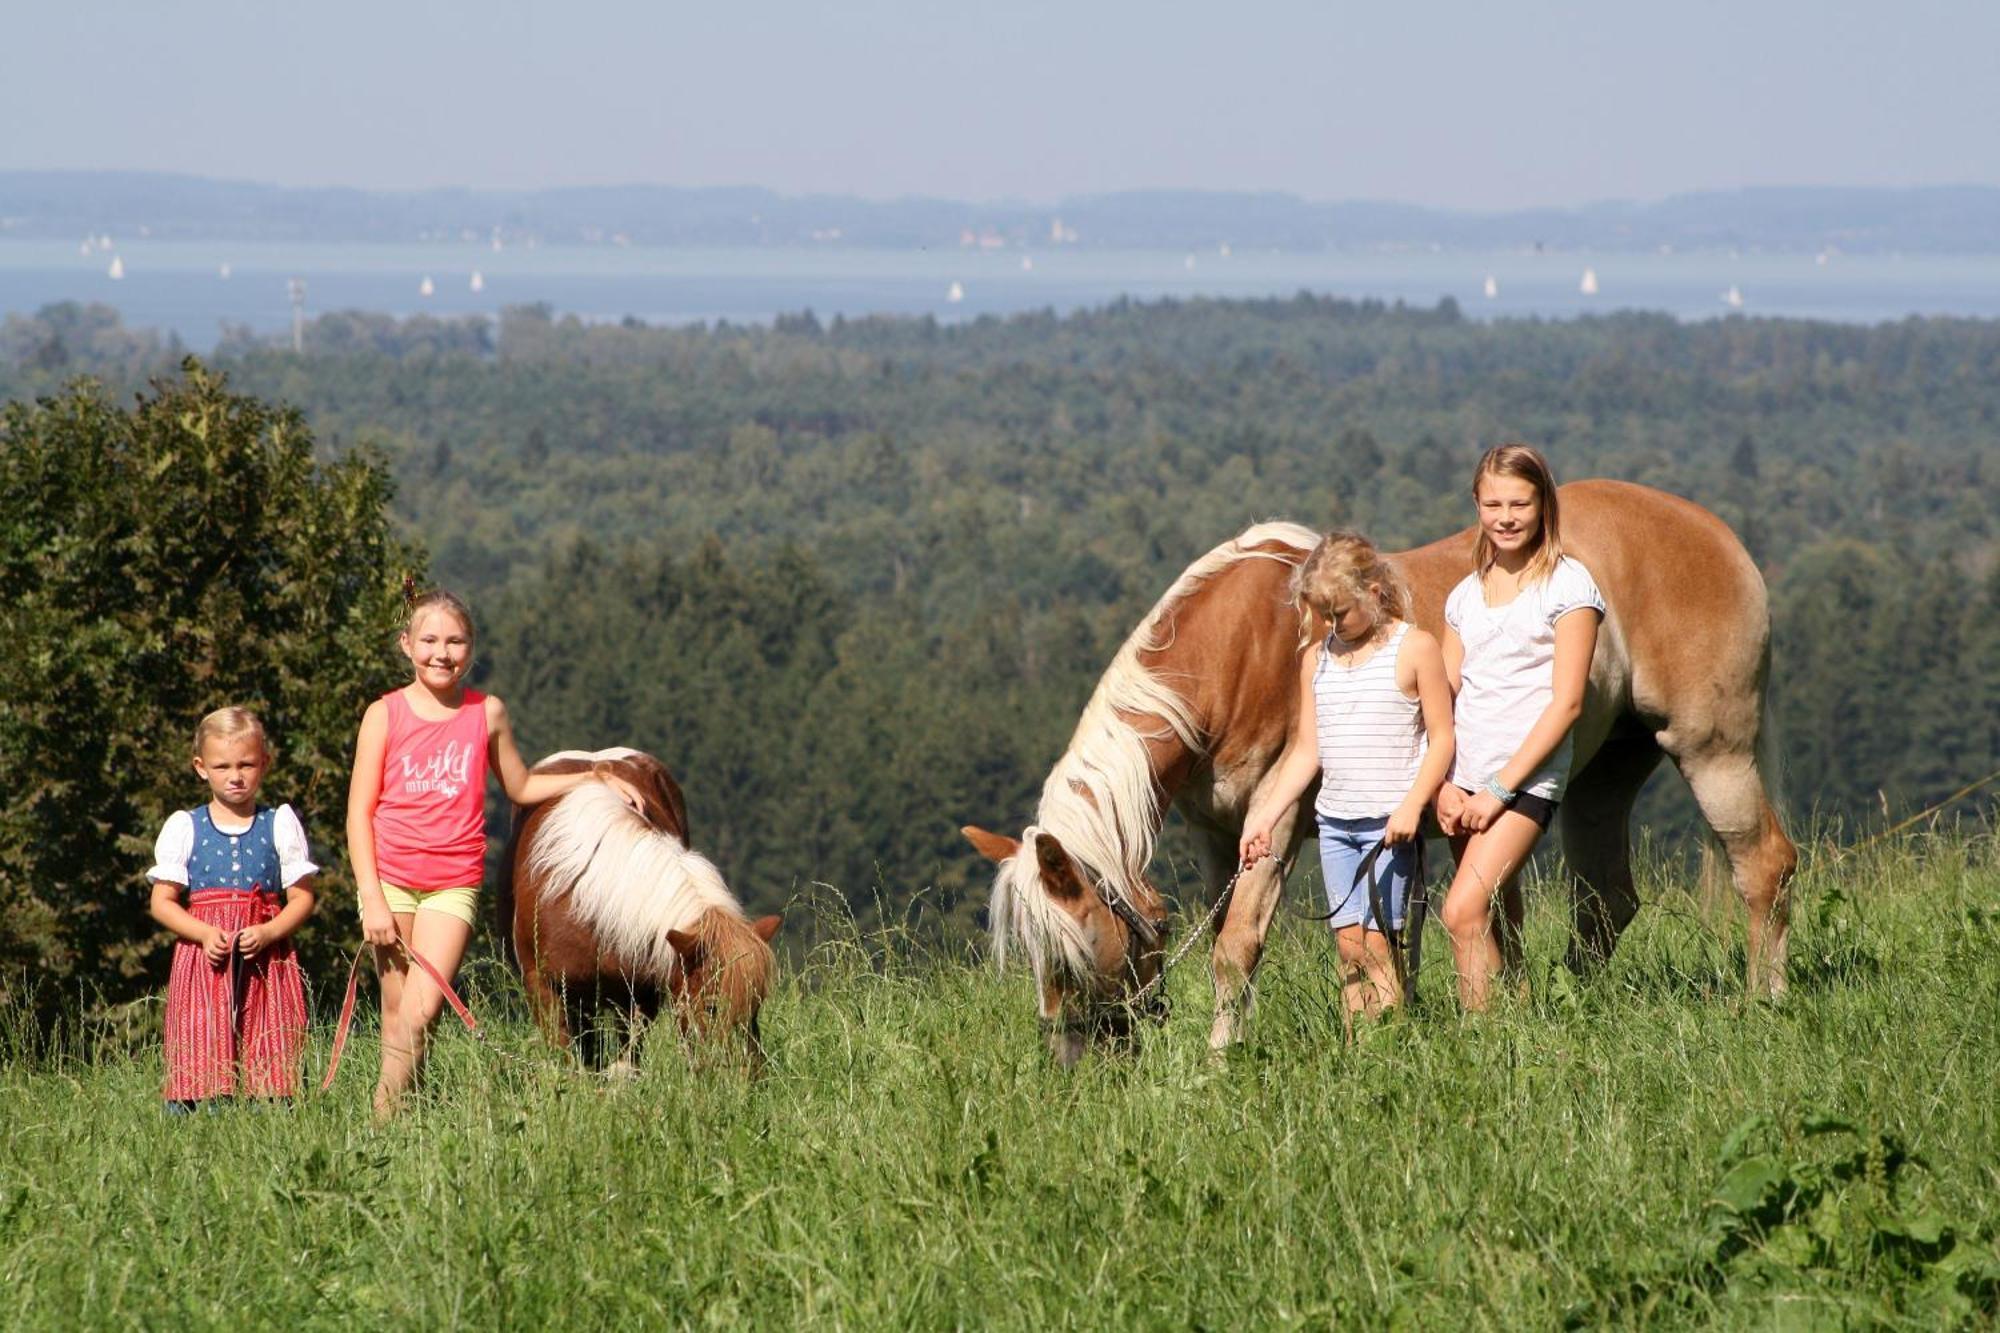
<point x="346" y="1023"/>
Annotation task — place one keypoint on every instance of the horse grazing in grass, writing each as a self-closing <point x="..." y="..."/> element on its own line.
<point x="1197" y="707"/>
<point x="608" y="906"/>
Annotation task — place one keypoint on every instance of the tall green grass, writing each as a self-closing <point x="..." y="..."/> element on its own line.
<point x="1642" y="1147"/>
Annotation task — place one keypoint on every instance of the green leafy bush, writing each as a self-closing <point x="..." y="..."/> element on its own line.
<point x="157" y="563"/>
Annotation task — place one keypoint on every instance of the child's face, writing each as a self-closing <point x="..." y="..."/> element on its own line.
<point x="1510" y="513"/>
<point x="233" y="766"/>
<point x="439" y="647"/>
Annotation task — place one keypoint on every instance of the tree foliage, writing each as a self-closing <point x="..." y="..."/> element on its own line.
<point x="157" y="563"/>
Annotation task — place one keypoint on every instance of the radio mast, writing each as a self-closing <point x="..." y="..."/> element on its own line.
<point x="296" y="289"/>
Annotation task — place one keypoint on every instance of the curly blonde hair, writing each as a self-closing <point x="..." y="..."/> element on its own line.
<point x="1345" y="566"/>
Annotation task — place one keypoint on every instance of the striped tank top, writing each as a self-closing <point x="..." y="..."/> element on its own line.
<point x="1371" y="738"/>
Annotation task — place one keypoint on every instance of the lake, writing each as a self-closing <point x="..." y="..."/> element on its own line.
<point x="180" y="285"/>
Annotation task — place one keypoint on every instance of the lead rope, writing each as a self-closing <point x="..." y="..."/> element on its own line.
<point x="1141" y="997"/>
<point x="346" y="1023"/>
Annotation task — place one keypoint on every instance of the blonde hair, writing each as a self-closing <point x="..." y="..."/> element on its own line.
<point x="1525" y="462"/>
<point x="437" y="599"/>
<point x="227" y="724"/>
<point x="1345" y="566"/>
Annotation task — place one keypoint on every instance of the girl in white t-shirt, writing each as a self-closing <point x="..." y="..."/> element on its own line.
<point x="1519" y="634"/>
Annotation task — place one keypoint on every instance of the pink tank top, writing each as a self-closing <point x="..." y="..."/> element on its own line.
<point x="430" y="821"/>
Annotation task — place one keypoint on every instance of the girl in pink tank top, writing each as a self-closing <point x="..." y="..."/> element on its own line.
<point x="416" y="823"/>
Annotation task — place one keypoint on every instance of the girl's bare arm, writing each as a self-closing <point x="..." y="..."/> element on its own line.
<point x="165" y="907"/>
<point x="525" y="788"/>
<point x="1295" y="771"/>
<point x="364" y="789"/>
<point x="299" y="903"/>
<point x="1425" y="660"/>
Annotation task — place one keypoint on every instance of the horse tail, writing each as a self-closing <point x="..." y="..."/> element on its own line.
<point x="1770" y="750"/>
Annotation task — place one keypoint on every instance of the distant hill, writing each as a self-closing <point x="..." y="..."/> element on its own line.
<point x="43" y="204"/>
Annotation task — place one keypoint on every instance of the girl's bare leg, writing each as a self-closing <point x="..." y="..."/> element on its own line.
<point x="1486" y="861"/>
<point x="441" y="940"/>
<point x="1368" y="973"/>
<point x="393" y="968"/>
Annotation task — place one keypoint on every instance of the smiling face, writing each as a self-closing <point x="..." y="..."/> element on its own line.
<point x="439" y="646"/>
<point x="233" y="766"/>
<point x="1510" y="515"/>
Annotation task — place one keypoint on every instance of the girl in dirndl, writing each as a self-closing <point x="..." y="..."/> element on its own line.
<point x="236" y="1008"/>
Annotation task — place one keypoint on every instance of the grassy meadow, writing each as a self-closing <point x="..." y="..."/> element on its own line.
<point x="1642" y="1147"/>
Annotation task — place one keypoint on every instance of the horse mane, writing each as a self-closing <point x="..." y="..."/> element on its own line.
<point x="1099" y="799"/>
<point x="629" y="882"/>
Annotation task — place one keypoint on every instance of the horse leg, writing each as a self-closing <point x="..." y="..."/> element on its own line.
<point x="1239" y="944"/>
<point x="1729" y="788"/>
<point x="638" y="1016"/>
<point x="1597" y="843"/>
<point x="544" y="1005"/>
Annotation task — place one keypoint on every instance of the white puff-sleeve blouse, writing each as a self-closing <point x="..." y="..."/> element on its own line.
<point x="175" y="845"/>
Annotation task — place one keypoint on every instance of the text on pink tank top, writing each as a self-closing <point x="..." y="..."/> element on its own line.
<point x="430" y="820"/>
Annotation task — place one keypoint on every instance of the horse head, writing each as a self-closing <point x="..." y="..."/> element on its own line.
<point x="1093" y="950"/>
<point x="723" y="966"/>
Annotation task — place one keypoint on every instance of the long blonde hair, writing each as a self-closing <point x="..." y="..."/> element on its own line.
<point x="1345" y="566"/>
<point x="1525" y="462"/>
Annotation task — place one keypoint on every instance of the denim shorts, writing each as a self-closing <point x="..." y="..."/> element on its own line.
<point x="1342" y="845"/>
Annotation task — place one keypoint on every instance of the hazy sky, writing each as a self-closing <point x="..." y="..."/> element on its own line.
<point x="1493" y="104"/>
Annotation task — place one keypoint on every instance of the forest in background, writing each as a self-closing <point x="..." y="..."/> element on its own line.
<point x="853" y="580"/>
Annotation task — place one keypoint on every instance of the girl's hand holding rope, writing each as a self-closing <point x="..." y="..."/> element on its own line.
<point x="378" y="923"/>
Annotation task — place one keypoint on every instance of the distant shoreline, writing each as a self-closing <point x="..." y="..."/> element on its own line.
<point x="43" y="205"/>
<point x="194" y="289"/>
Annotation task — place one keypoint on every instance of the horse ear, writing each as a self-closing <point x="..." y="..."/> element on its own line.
<point x="687" y="945"/>
<point x="766" y="926"/>
<point x="1058" y="871"/>
<point x="991" y="845"/>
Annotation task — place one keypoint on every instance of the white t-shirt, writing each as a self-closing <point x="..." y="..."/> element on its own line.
<point x="176" y="843"/>
<point x="1507" y="674"/>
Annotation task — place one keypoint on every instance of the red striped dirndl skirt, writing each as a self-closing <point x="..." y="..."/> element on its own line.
<point x="245" y="1015"/>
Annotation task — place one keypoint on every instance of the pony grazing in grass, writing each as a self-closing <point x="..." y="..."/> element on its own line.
<point x="608" y="907"/>
<point x="1197" y="707"/>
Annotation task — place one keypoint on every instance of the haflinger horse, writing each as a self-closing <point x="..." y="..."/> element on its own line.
<point x="606" y="905"/>
<point x="1197" y="707"/>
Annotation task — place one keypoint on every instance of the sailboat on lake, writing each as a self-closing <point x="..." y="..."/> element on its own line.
<point x="1588" y="284"/>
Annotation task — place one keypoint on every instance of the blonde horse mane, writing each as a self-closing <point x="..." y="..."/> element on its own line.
<point x="627" y="881"/>
<point x="1098" y="800"/>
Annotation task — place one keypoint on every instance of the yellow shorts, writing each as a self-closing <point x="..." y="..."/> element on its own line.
<point x="457" y="903"/>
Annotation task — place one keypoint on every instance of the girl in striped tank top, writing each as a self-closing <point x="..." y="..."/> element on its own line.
<point x="1374" y="726"/>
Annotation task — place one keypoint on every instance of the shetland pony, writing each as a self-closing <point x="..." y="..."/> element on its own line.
<point x="606" y="906"/>
<point x="1197" y="707"/>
